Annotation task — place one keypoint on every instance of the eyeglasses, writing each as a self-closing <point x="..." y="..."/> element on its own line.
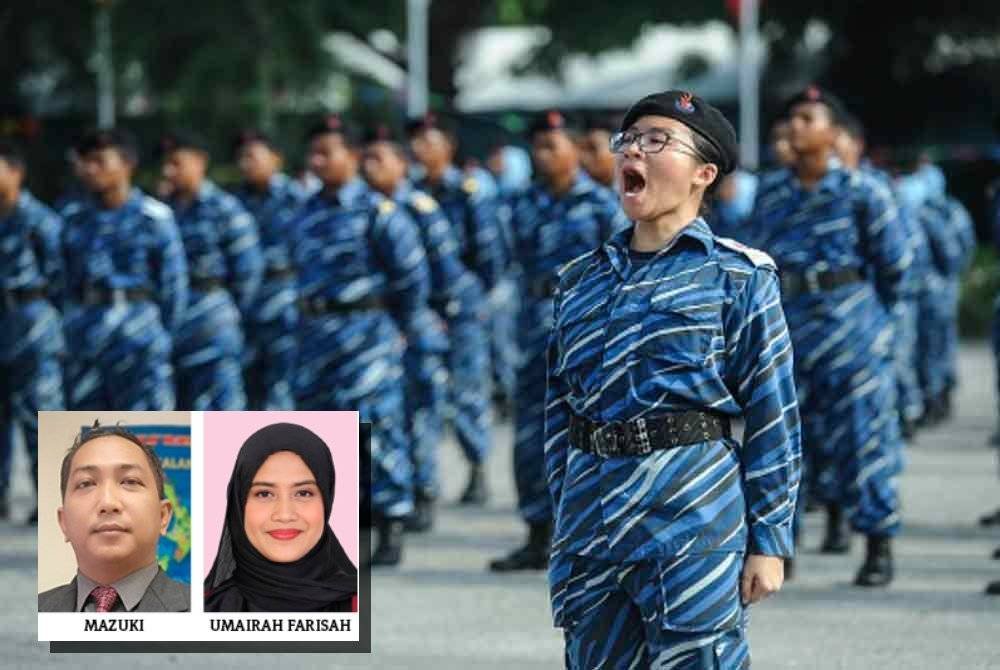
<point x="652" y="141"/>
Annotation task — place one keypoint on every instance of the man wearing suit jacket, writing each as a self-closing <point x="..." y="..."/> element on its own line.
<point x="113" y="513"/>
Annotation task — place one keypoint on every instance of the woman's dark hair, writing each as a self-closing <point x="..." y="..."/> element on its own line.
<point x="709" y="154"/>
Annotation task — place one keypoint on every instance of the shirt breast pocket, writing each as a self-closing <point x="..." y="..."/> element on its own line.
<point x="674" y="339"/>
<point x="580" y="335"/>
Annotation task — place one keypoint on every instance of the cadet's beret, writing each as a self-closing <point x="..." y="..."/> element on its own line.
<point x="697" y="115"/>
<point x="380" y="132"/>
<point x="182" y="139"/>
<point x="600" y="122"/>
<point x="109" y="138"/>
<point x="429" y="121"/>
<point x="334" y="124"/>
<point x="813" y="93"/>
<point x="552" y="119"/>
<point x="250" y="135"/>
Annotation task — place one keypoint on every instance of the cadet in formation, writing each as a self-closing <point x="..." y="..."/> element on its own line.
<point x="563" y="215"/>
<point x="835" y="235"/>
<point x="126" y="285"/>
<point x="362" y="285"/>
<point x="225" y="266"/>
<point x="385" y="168"/>
<point x="667" y="528"/>
<point x="31" y="340"/>
<point x="272" y="198"/>
<point x="470" y="203"/>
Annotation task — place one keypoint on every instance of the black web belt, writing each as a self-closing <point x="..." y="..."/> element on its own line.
<point x="206" y="284"/>
<point x="279" y="273"/>
<point x="544" y="287"/>
<point x="13" y="297"/>
<point x="794" y="284"/>
<point x="100" y="295"/>
<point x="644" y="436"/>
<point x="320" y="306"/>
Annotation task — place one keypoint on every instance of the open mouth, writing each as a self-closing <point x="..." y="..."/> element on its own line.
<point x="632" y="181"/>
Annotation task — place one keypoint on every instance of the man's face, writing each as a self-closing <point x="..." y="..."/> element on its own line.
<point x="105" y="169"/>
<point x="432" y="149"/>
<point x="331" y="160"/>
<point x="258" y="163"/>
<point x="184" y="170"/>
<point x="112" y="514"/>
<point x="811" y="127"/>
<point x="596" y="157"/>
<point x="11" y="177"/>
<point x="554" y="153"/>
<point x="781" y="144"/>
<point x="383" y="166"/>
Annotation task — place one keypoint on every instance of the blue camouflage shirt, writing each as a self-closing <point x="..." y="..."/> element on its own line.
<point x="272" y="209"/>
<point x="30" y="248"/>
<point x="950" y="233"/>
<point x="355" y="245"/>
<point x="470" y="202"/>
<point x="550" y="231"/>
<point x="697" y="325"/>
<point x="848" y="220"/>
<point x="135" y="246"/>
<point x="221" y="242"/>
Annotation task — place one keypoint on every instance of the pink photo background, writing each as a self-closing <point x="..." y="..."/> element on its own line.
<point x="225" y="433"/>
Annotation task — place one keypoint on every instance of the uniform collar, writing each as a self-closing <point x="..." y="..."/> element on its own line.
<point x="346" y="195"/>
<point x="617" y="247"/>
<point x="403" y="191"/>
<point x="582" y="184"/>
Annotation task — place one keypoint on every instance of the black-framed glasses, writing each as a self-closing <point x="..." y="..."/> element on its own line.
<point x="652" y="141"/>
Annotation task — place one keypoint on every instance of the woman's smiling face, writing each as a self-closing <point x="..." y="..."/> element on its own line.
<point x="284" y="515"/>
<point x="651" y="184"/>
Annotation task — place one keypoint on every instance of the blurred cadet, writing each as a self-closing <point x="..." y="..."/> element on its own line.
<point x="782" y="152"/>
<point x="362" y="279"/>
<point x="667" y="528"/>
<point x="272" y="198"/>
<point x="835" y="235"/>
<point x="126" y="285"/>
<point x="951" y="239"/>
<point x="563" y="215"/>
<point x="595" y="149"/>
<point x="225" y="265"/>
<point x="457" y="299"/>
<point x="510" y="166"/>
<point x="850" y="149"/>
<point x="729" y="211"/>
<point x="114" y="511"/>
<point x="470" y="201"/>
<point x="74" y="192"/>
<point x="31" y="339"/>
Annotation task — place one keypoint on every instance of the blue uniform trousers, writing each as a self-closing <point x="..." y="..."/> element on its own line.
<point x="208" y="350"/>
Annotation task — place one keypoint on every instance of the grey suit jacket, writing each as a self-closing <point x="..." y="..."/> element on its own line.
<point x="163" y="595"/>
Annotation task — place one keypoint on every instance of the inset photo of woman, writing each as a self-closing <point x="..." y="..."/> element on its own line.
<point x="281" y="502"/>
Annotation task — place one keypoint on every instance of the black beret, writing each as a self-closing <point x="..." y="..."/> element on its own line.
<point x="250" y="135"/>
<point x="429" y="121"/>
<point x="109" y="138"/>
<point x="697" y="115"/>
<point x="813" y="93"/>
<point x="334" y="124"/>
<point x="12" y="152"/>
<point x="182" y="139"/>
<point x="553" y="119"/>
<point x="380" y="132"/>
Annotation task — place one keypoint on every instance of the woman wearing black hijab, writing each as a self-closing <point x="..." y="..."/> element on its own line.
<point x="267" y="561"/>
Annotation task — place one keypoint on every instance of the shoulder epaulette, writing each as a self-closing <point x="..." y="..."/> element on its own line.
<point x="756" y="256"/>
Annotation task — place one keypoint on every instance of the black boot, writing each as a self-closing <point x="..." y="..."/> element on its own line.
<point x="422" y="518"/>
<point x="389" y="550"/>
<point x="4" y="507"/>
<point x="33" y="518"/>
<point x="534" y="555"/>
<point x="877" y="569"/>
<point x="475" y="490"/>
<point x="996" y="554"/>
<point x="993" y="588"/>
<point x="837" y="539"/>
<point x="991" y="519"/>
<point x="789" y="569"/>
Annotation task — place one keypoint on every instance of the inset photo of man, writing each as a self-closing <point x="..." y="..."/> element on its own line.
<point x="114" y="523"/>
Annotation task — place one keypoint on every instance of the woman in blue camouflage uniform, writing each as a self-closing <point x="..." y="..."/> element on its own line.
<point x="666" y="527"/>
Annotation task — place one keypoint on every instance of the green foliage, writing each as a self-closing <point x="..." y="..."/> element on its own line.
<point x="980" y="286"/>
